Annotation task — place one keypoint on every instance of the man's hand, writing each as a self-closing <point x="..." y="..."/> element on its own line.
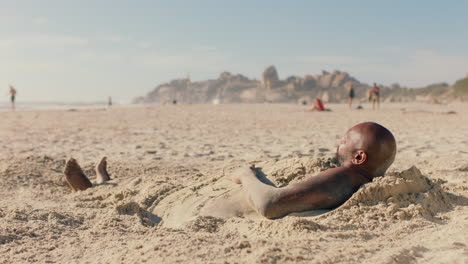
<point x="237" y="174"/>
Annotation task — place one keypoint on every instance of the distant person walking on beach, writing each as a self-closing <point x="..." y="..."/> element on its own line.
<point x="375" y="96"/>
<point x="109" y="101"/>
<point x="351" y="95"/>
<point x="12" y="96"/>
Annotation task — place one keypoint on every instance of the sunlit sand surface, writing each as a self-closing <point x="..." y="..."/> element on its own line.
<point x="166" y="200"/>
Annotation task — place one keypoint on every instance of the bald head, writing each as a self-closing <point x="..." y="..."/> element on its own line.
<point x="369" y="147"/>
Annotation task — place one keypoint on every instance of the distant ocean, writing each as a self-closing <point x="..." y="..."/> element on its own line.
<point x="6" y="106"/>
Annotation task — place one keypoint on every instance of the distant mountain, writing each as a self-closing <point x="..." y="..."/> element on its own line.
<point x="460" y="89"/>
<point x="329" y="86"/>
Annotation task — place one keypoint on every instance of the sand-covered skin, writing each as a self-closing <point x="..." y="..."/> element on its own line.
<point x="161" y="156"/>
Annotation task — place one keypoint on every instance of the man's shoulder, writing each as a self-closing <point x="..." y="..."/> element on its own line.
<point x="340" y="175"/>
<point x="339" y="171"/>
<point x="345" y="174"/>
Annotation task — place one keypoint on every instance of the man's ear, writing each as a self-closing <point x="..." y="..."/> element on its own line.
<point x="359" y="157"/>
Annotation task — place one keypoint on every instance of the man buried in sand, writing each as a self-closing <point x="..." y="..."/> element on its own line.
<point x="365" y="152"/>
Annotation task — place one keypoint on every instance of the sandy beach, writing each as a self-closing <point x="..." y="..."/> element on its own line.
<point x="167" y="165"/>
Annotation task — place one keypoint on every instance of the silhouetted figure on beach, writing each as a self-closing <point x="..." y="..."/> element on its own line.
<point x="375" y="96"/>
<point x="350" y="95"/>
<point x="109" y="101"/>
<point x="12" y="97"/>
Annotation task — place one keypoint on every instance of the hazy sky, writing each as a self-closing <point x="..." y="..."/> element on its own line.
<point x="87" y="50"/>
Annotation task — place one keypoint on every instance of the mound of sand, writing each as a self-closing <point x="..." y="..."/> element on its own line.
<point x="33" y="172"/>
<point x="398" y="195"/>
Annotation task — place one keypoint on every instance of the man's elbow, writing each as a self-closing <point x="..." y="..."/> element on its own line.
<point x="269" y="210"/>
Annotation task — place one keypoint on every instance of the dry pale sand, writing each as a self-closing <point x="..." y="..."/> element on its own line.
<point x="168" y="163"/>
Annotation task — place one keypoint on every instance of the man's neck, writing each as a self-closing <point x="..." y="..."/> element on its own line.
<point x="365" y="175"/>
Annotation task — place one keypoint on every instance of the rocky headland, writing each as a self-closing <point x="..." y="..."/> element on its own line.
<point x="329" y="86"/>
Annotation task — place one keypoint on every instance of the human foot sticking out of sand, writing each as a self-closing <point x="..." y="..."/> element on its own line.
<point x="101" y="171"/>
<point x="78" y="180"/>
<point x="75" y="176"/>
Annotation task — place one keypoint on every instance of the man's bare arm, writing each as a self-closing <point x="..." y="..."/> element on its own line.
<point x="325" y="190"/>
